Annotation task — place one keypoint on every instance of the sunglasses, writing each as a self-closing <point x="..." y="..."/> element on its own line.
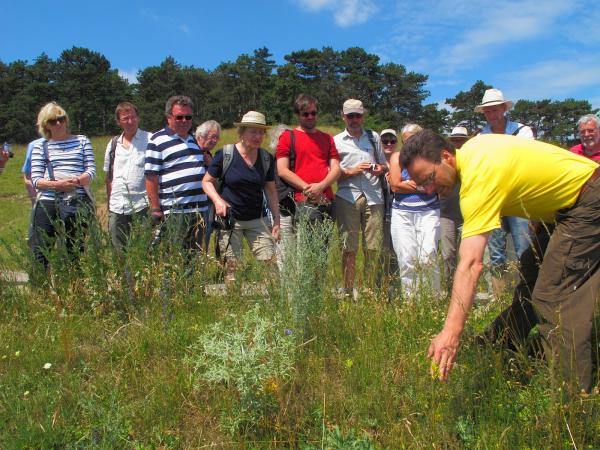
<point x="309" y="114"/>
<point x="388" y="141"/>
<point x="354" y="116"/>
<point x="181" y="118"/>
<point x="59" y="119"/>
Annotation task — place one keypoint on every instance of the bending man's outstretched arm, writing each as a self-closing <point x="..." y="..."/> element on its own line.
<point x="445" y="345"/>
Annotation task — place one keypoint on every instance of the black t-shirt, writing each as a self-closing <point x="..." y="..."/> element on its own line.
<point x="243" y="186"/>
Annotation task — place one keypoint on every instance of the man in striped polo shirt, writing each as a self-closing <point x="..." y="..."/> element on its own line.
<point x="174" y="171"/>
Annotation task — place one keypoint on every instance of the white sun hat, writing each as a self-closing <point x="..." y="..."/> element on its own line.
<point x="459" y="132"/>
<point x="493" y="97"/>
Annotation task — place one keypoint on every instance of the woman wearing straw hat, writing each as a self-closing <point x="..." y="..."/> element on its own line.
<point x="235" y="182"/>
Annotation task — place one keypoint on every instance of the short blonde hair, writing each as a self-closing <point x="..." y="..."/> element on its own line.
<point x="48" y="112"/>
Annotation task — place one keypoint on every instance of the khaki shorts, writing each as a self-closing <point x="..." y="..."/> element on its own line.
<point x="257" y="234"/>
<point x="354" y="218"/>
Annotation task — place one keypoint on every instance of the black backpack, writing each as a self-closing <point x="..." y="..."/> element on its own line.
<point x="287" y="206"/>
<point x="228" y="157"/>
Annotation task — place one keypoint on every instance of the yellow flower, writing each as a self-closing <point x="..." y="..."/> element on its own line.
<point x="434" y="370"/>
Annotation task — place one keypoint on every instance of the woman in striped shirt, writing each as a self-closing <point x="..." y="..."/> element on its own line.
<point x="415" y="225"/>
<point x="62" y="166"/>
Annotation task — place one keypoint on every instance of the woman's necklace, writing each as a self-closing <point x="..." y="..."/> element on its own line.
<point x="247" y="156"/>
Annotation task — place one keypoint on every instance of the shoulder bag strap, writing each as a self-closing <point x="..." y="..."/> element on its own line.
<point x="47" y="159"/>
<point x="292" y="157"/>
<point x="266" y="160"/>
<point x="516" y="132"/>
<point x="111" y="157"/>
<point x="372" y="141"/>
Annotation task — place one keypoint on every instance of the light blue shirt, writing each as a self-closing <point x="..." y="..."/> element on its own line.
<point x="511" y="127"/>
<point x="27" y="164"/>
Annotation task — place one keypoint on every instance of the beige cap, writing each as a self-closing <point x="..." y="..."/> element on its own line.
<point x="389" y="131"/>
<point x="353" y="106"/>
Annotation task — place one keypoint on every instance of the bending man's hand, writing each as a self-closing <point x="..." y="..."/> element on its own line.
<point x="442" y="351"/>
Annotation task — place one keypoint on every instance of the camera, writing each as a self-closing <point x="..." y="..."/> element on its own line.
<point x="8" y="150"/>
<point x="224" y="223"/>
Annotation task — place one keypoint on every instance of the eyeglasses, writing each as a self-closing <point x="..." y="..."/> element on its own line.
<point x="309" y="114"/>
<point x="181" y="118"/>
<point x="127" y="119"/>
<point x="388" y="141"/>
<point x="430" y="179"/>
<point x="59" y="119"/>
<point x="354" y="116"/>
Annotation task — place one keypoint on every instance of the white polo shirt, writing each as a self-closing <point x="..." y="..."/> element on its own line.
<point x="128" y="193"/>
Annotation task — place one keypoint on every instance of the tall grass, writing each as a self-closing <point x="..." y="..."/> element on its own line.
<point x="106" y="357"/>
<point x="121" y="373"/>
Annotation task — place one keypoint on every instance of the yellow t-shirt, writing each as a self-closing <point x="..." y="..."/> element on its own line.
<point x="503" y="175"/>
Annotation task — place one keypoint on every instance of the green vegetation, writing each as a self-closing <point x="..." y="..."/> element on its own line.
<point x="84" y="83"/>
<point x="105" y="360"/>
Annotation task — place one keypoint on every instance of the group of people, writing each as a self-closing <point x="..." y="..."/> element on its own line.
<point x="403" y="203"/>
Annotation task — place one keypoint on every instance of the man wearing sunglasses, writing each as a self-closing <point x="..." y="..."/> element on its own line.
<point x="315" y="168"/>
<point x="174" y="170"/>
<point x="560" y="277"/>
<point x="359" y="198"/>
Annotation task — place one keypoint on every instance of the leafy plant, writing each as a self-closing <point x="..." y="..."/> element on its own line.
<point x="252" y="356"/>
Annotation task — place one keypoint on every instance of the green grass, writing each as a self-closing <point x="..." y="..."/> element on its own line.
<point x="123" y="375"/>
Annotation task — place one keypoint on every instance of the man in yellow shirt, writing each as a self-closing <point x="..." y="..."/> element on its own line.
<point x="504" y="175"/>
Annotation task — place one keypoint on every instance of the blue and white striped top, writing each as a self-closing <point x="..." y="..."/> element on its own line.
<point x="69" y="158"/>
<point x="414" y="202"/>
<point x="179" y="164"/>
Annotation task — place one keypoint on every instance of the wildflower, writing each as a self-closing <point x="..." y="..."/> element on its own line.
<point x="287" y="331"/>
<point x="47" y="366"/>
<point x="271" y="386"/>
<point x="434" y="370"/>
<point x="348" y="363"/>
<point x="17" y="353"/>
<point x="26" y="393"/>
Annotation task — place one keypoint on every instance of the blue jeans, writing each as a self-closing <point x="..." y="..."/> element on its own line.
<point x="519" y="230"/>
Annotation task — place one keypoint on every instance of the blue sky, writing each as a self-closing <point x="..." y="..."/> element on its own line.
<point x="530" y="49"/>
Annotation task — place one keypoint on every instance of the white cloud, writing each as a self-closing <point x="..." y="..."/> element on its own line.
<point x="150" y="15"/>
<point x="165" y="19"/>
<point x="554" y="79"/>
<point x="129" y="75"/>
<point x="345" y="12"/>
<point x="503" y="24"/>
<point x="444" y="37"/>
<point x="317" y="5"/>
<point x="185" y="29"/>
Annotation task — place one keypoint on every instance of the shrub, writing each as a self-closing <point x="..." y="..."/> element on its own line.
<point x="252" y="356"/>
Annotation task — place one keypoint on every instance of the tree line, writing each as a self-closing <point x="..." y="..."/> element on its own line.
<point x="86" y="85"/>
